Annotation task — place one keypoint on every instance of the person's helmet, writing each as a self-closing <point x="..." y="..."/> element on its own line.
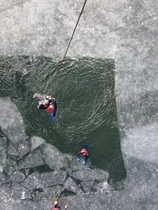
<point x="46" y="102"/>
<point x="56" y="202"/>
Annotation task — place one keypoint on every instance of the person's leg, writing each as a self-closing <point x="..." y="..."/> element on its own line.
<point x="86" y="158"/>
<point x="78" y="158"/>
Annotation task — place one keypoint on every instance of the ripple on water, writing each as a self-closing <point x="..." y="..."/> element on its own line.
<point x="85" y="92"/>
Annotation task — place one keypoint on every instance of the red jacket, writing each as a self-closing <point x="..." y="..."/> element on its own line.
<point x="84" y="152"/>
<point x="50" y="108"/>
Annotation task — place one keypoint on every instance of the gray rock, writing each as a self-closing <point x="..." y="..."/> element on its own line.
<point x="27" y="170"/>
<point x="36" y="142"/>
<point x="19" y="192"/>
<point x="10" y="167"/>
<point x="23" y="148"/>
<point x="72" y="186"/>
<point x="3" y="158"/>
<point x="52" y="192"/>
<point x="12" y="150"/>
<point x="101" y="187"/>
<point x="34" y="159"/>
<point x="17" y="176"/>
<point x="87" y="186"/>
<point x="91" y="175"/>
<point x="2" y="179"/>
<point x="54" y="158"/>
<point x="11" y="122"/>
<point x="43" y="180"/>
<point x="5" y="194"/>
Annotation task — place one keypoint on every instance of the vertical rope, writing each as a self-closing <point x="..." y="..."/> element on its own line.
<point x="70" y="39"/>
<point x="74" y="30"/>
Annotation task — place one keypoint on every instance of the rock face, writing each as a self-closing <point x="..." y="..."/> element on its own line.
<point x="32" y="170"/>
<point x="12" y="124"/>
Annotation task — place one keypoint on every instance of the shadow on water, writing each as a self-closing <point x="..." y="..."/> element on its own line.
<point x="85" y="92"/>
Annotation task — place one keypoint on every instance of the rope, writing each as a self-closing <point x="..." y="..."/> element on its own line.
<point x="68" y="46"/>
<point x="74" y="30"/>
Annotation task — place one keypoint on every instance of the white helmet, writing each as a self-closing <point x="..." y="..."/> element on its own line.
<point x="46" y="102"/>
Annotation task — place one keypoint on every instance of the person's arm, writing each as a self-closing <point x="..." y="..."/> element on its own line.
<point x="78" y="154"/>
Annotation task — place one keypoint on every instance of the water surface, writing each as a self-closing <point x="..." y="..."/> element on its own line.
<point x="85" y="91"/>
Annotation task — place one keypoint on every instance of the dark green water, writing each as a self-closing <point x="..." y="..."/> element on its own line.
<point x="85" y="92"/>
